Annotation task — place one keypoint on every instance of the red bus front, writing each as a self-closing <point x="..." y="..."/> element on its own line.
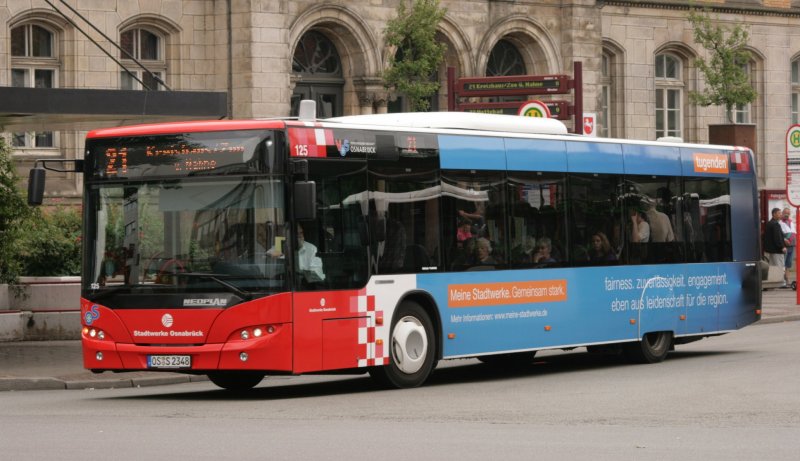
<point x="187" y="228"/>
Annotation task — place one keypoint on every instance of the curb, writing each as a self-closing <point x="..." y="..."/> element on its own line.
<point x="778" y="319"/>
<point x="39" y="384"/>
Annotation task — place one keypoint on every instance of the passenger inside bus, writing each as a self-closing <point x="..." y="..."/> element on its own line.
<point x="640" y="228"/>
<point x="483" y="252"/>
<point x="660" y="225"/>
<point x="600" y="249"/>
<point x="543" y="255"/>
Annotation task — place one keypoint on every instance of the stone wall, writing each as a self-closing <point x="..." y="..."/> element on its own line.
<point x="48" y="308"/>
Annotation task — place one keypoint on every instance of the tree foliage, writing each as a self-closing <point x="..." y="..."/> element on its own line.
<point x="727" y="82"/>
<point x="418" y="55"/>
<point x="13" y="211"/>
<point x="51" y="244"/>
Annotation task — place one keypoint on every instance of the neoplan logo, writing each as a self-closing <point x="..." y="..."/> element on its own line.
<point x="205" y="302"/>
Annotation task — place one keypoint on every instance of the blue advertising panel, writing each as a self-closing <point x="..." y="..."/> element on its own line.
<point x="536" y="155"/>
<point x="472" y="153"/>
<point x="655" y="160"/>
<point x="541" y="308"/>
<point x="594" y="157"/>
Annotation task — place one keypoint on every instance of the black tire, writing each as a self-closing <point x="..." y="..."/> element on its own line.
<point x="236" y="380"/>
<point x="509" y="361"/>
<point x="653" y="348"/>
<point x="412" y="349"/>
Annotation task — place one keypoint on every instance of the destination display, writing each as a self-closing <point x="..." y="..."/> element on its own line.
<point x="171" y="155"/>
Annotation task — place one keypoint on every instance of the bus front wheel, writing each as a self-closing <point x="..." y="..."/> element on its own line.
<point x="412" y="349"/>
<point x="236" y="380"/>
<point x="653" y="348"/>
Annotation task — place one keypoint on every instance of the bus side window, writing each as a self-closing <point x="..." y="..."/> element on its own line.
<point x="653" y="196"/>
<point x="337" y="231"/>
<point x="594" y="212"/>
<point x="707" y="222"/>
<point x="404" y="197"/>
<point x="475" y="224"/>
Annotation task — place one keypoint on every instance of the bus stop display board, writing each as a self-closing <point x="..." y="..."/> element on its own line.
<point x="513" y="85"/>
<point x="518" y="87"/>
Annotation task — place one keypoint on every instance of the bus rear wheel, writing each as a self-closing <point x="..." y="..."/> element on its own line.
<point x="653" y="348"/>
<point x="412" y="349"/>
<point x="236" y="380"/>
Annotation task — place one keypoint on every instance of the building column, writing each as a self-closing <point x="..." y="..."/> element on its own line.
<point x="372" y="95"/>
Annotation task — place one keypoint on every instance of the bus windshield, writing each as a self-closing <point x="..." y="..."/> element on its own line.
<point x="185" y="236"/>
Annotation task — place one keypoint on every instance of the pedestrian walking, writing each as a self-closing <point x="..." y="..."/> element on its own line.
<point x="774" y="245"/>
<point x="789" y="239"/>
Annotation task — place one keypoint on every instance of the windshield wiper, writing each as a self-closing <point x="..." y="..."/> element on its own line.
<point x="216" y="278"/>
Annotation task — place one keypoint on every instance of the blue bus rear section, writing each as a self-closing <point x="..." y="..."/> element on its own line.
<point x="602" y="305"/>
<point x="580" y="156"/>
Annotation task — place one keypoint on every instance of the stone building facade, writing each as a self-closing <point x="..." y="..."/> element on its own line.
<point x="638" y="59"/>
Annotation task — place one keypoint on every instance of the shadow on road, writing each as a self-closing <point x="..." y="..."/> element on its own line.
<point x="448" y="373"/>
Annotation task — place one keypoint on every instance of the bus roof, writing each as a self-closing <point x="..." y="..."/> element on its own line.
<point x="459" y="120"/>
<point x="185" y="127"/>
<point x="488" y="124"/>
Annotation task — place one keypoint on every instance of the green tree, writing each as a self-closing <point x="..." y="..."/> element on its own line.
<point x="727" y="82"/>
<point x="51" y="244"/>
<point x="13" y="211"/>
<point x="418" y="55"/>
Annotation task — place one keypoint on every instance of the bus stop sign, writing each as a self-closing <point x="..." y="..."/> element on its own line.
<point x="793" y="165"/>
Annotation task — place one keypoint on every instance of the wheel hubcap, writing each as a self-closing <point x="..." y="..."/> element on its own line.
<point x="410" y="345"/>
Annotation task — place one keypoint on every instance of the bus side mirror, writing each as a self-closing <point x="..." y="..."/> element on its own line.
<point x="305" y="201"/>
<point x="36" y="179"/>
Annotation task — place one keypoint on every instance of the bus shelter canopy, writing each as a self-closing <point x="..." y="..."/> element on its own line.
<point x="51" y="109"/>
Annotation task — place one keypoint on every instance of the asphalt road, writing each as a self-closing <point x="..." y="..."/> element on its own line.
<point x="735" y="397"/>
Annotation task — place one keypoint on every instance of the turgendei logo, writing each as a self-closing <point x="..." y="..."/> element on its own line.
<point x="205" y="302"/>
<point x="710" y="163"/>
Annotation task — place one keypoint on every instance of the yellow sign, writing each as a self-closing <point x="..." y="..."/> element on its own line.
<point x="534" y="109"/>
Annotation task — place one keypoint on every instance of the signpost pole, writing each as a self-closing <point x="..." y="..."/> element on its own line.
<point x="577" y="78"/>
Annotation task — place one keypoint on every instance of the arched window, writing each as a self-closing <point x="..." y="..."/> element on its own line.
<point x="743" y="113"/>
<point x="147" y="47"/>
<point x="505" y="59"/>
<point x="316" y="61"/>
<point x="604" y="108"/>
<point x="669" y="96"/>
<point x="34" y="64"/>
<point x="611" y="101"/>
<point x="796" y="91"/>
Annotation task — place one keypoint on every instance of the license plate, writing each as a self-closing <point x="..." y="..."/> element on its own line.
<point x="169" y="361"/>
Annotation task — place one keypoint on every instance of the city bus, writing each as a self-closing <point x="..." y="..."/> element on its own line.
<point x="385" y="243"/>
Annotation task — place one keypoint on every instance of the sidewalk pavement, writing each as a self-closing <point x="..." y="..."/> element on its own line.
<point x="30" y="365"/>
